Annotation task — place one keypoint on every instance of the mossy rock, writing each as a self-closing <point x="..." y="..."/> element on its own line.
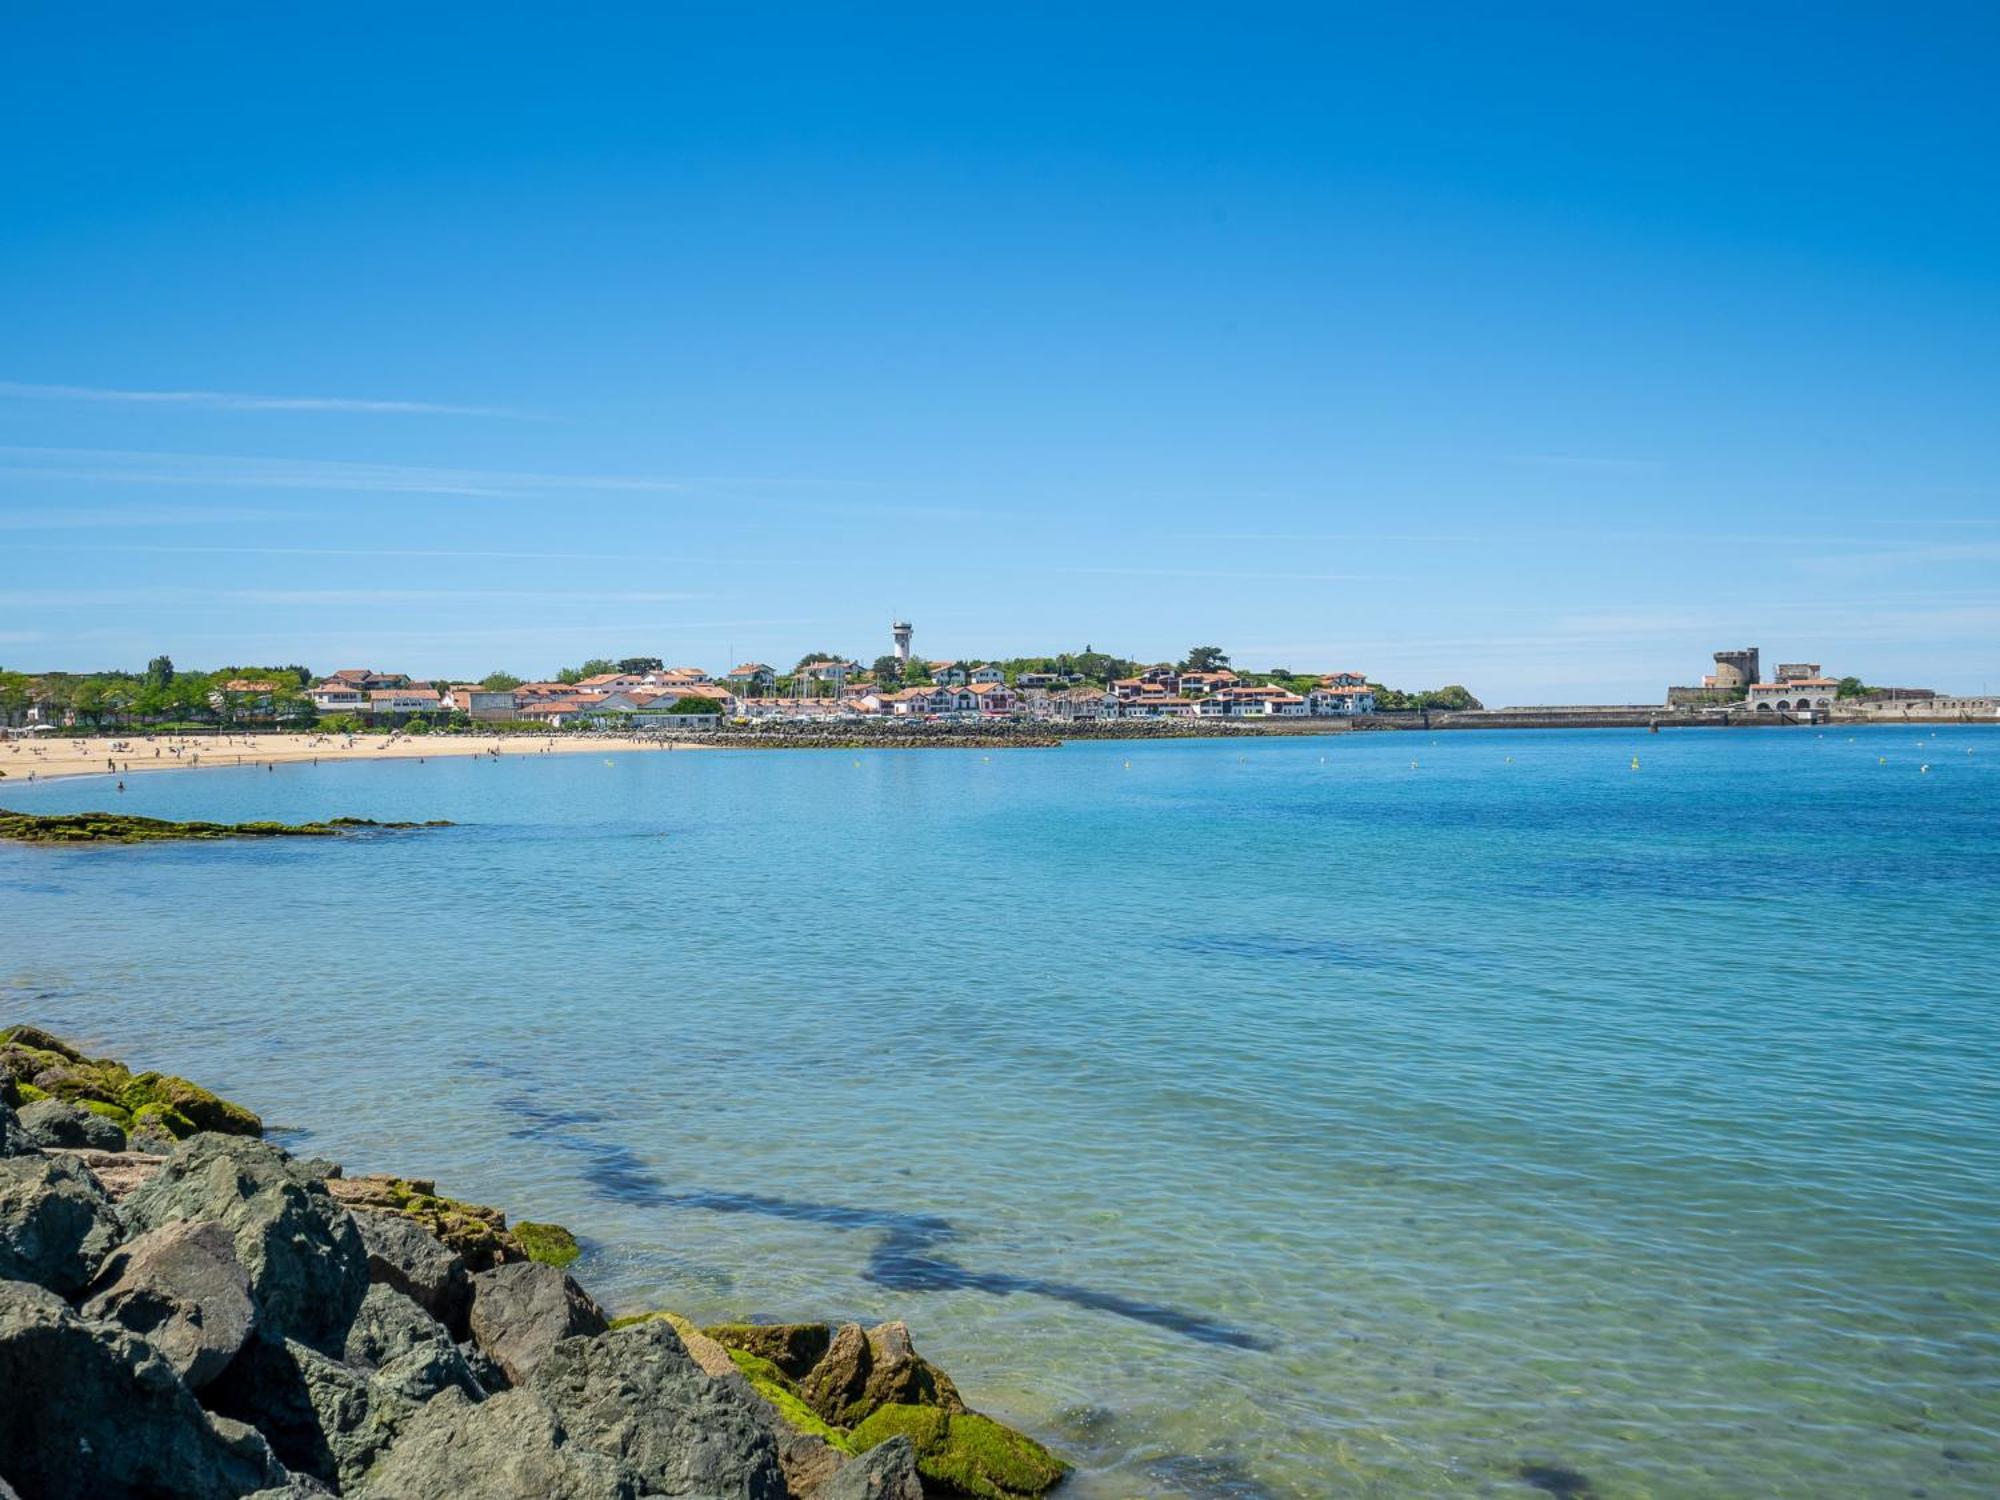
<point x="776" y="1387"/>
<point x="25" y="1093"/>
<point x="793" y="1347"/>
<point x="117" y="828"/>
<point x="192" y="1101"/>
<point x="82" y="1082"/>
<point x="161" y="1119"/>
<point x="551" y="1244"/>
<point x="963" y="1453"/>
<point x="36" y="1039"/>
<point x="479" y="1234"/>
<point x="116" y="1114"/>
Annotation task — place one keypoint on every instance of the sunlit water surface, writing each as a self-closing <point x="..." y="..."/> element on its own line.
<point x="1381" y="1115"/>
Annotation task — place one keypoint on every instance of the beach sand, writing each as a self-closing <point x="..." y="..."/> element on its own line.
<point x="44" y="758"/>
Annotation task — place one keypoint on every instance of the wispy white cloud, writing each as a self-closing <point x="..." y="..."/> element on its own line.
<point x="310" y="474"/>
<point x="240" y="401"/>
<point x="65" y="518"/>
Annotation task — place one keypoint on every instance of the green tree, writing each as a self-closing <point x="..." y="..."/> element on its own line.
<point x="888" y="671"/>
<point x="499" y="682"/>
<point x="1853" y="687"/>
<point x="569" y="674"/>
<point x="917" y="673"/>
<point x="636" y="665"/>
<point x="1206" y="659"/>
<point x="695" y="706"/>
<point x="1452" y="696"/>
<point x="597" y="666"/>
<point x="159" y="671"/>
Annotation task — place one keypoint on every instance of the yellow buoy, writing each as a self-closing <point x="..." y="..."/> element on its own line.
<point x="1635" y="762"/>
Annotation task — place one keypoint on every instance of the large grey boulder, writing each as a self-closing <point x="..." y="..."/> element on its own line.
<point x="181" y="1288"/>
<point x="58" y="1122"/>
<point x="321" y="1417"/>
<point x="406" y="1256"/>
<point x="637" y="1395"/>
<point x="887" y="1471"/>
<point x="91" y="1411"/>
<point x="512" y="1447"/>
<point x="307" y="1266"/>
<point x="407" y="1349"/>
<point x="521" y="1311"/>
<point x="56" y="1223"/>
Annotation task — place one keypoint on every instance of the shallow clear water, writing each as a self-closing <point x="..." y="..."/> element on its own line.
<point x="1280" y="1119"/>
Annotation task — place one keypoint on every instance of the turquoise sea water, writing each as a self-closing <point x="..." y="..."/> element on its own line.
<point x="1384" y="1115"/>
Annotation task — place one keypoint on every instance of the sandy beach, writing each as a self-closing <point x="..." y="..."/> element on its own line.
<point x="24" y="760"/>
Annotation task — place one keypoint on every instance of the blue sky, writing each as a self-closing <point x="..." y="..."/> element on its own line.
<point x="1542" y="348"/>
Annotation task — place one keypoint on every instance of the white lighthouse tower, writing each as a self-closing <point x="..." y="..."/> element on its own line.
<point x="900" y="629"/>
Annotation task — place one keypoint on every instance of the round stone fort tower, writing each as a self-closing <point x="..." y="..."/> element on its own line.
<point x="1736" y="669"/>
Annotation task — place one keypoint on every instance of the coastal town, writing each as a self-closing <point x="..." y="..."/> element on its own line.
<point x="1087" y="691"/>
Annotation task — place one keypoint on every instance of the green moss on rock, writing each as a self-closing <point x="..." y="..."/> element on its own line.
<point x="162" y="1119"/>
<point x="793" y="1347"/>
<point x="963" y="1453"/>
<point x="190" y="1100"/>
<point x="114" y="1113"/>
<point x="776" y="1387"/>
<point x="119" y="828"/>
<point x="27" y="1093"/>
<point x="33" y="1059"/>
<point x="551" y="1244"/>
<point x="38" y="1040"/>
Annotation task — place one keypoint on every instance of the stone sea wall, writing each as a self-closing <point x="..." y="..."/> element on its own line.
<point x="187" y="1310"/>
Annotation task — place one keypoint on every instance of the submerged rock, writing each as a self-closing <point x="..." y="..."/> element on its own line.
<point x="93" y="1411"/>
<point x="56" y="1223"/>
<point x="181" y="1288"/>
<point x="512" y="1447"/>
<point x="964" y="1453"/>
<point x="521" y="1311"/>
<point x="307" y="1266"/>
<point x="638" y="1395"/>
<point x="121" y="828"/>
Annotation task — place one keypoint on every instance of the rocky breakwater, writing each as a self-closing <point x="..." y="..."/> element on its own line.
<point x="189" y="1311"/>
